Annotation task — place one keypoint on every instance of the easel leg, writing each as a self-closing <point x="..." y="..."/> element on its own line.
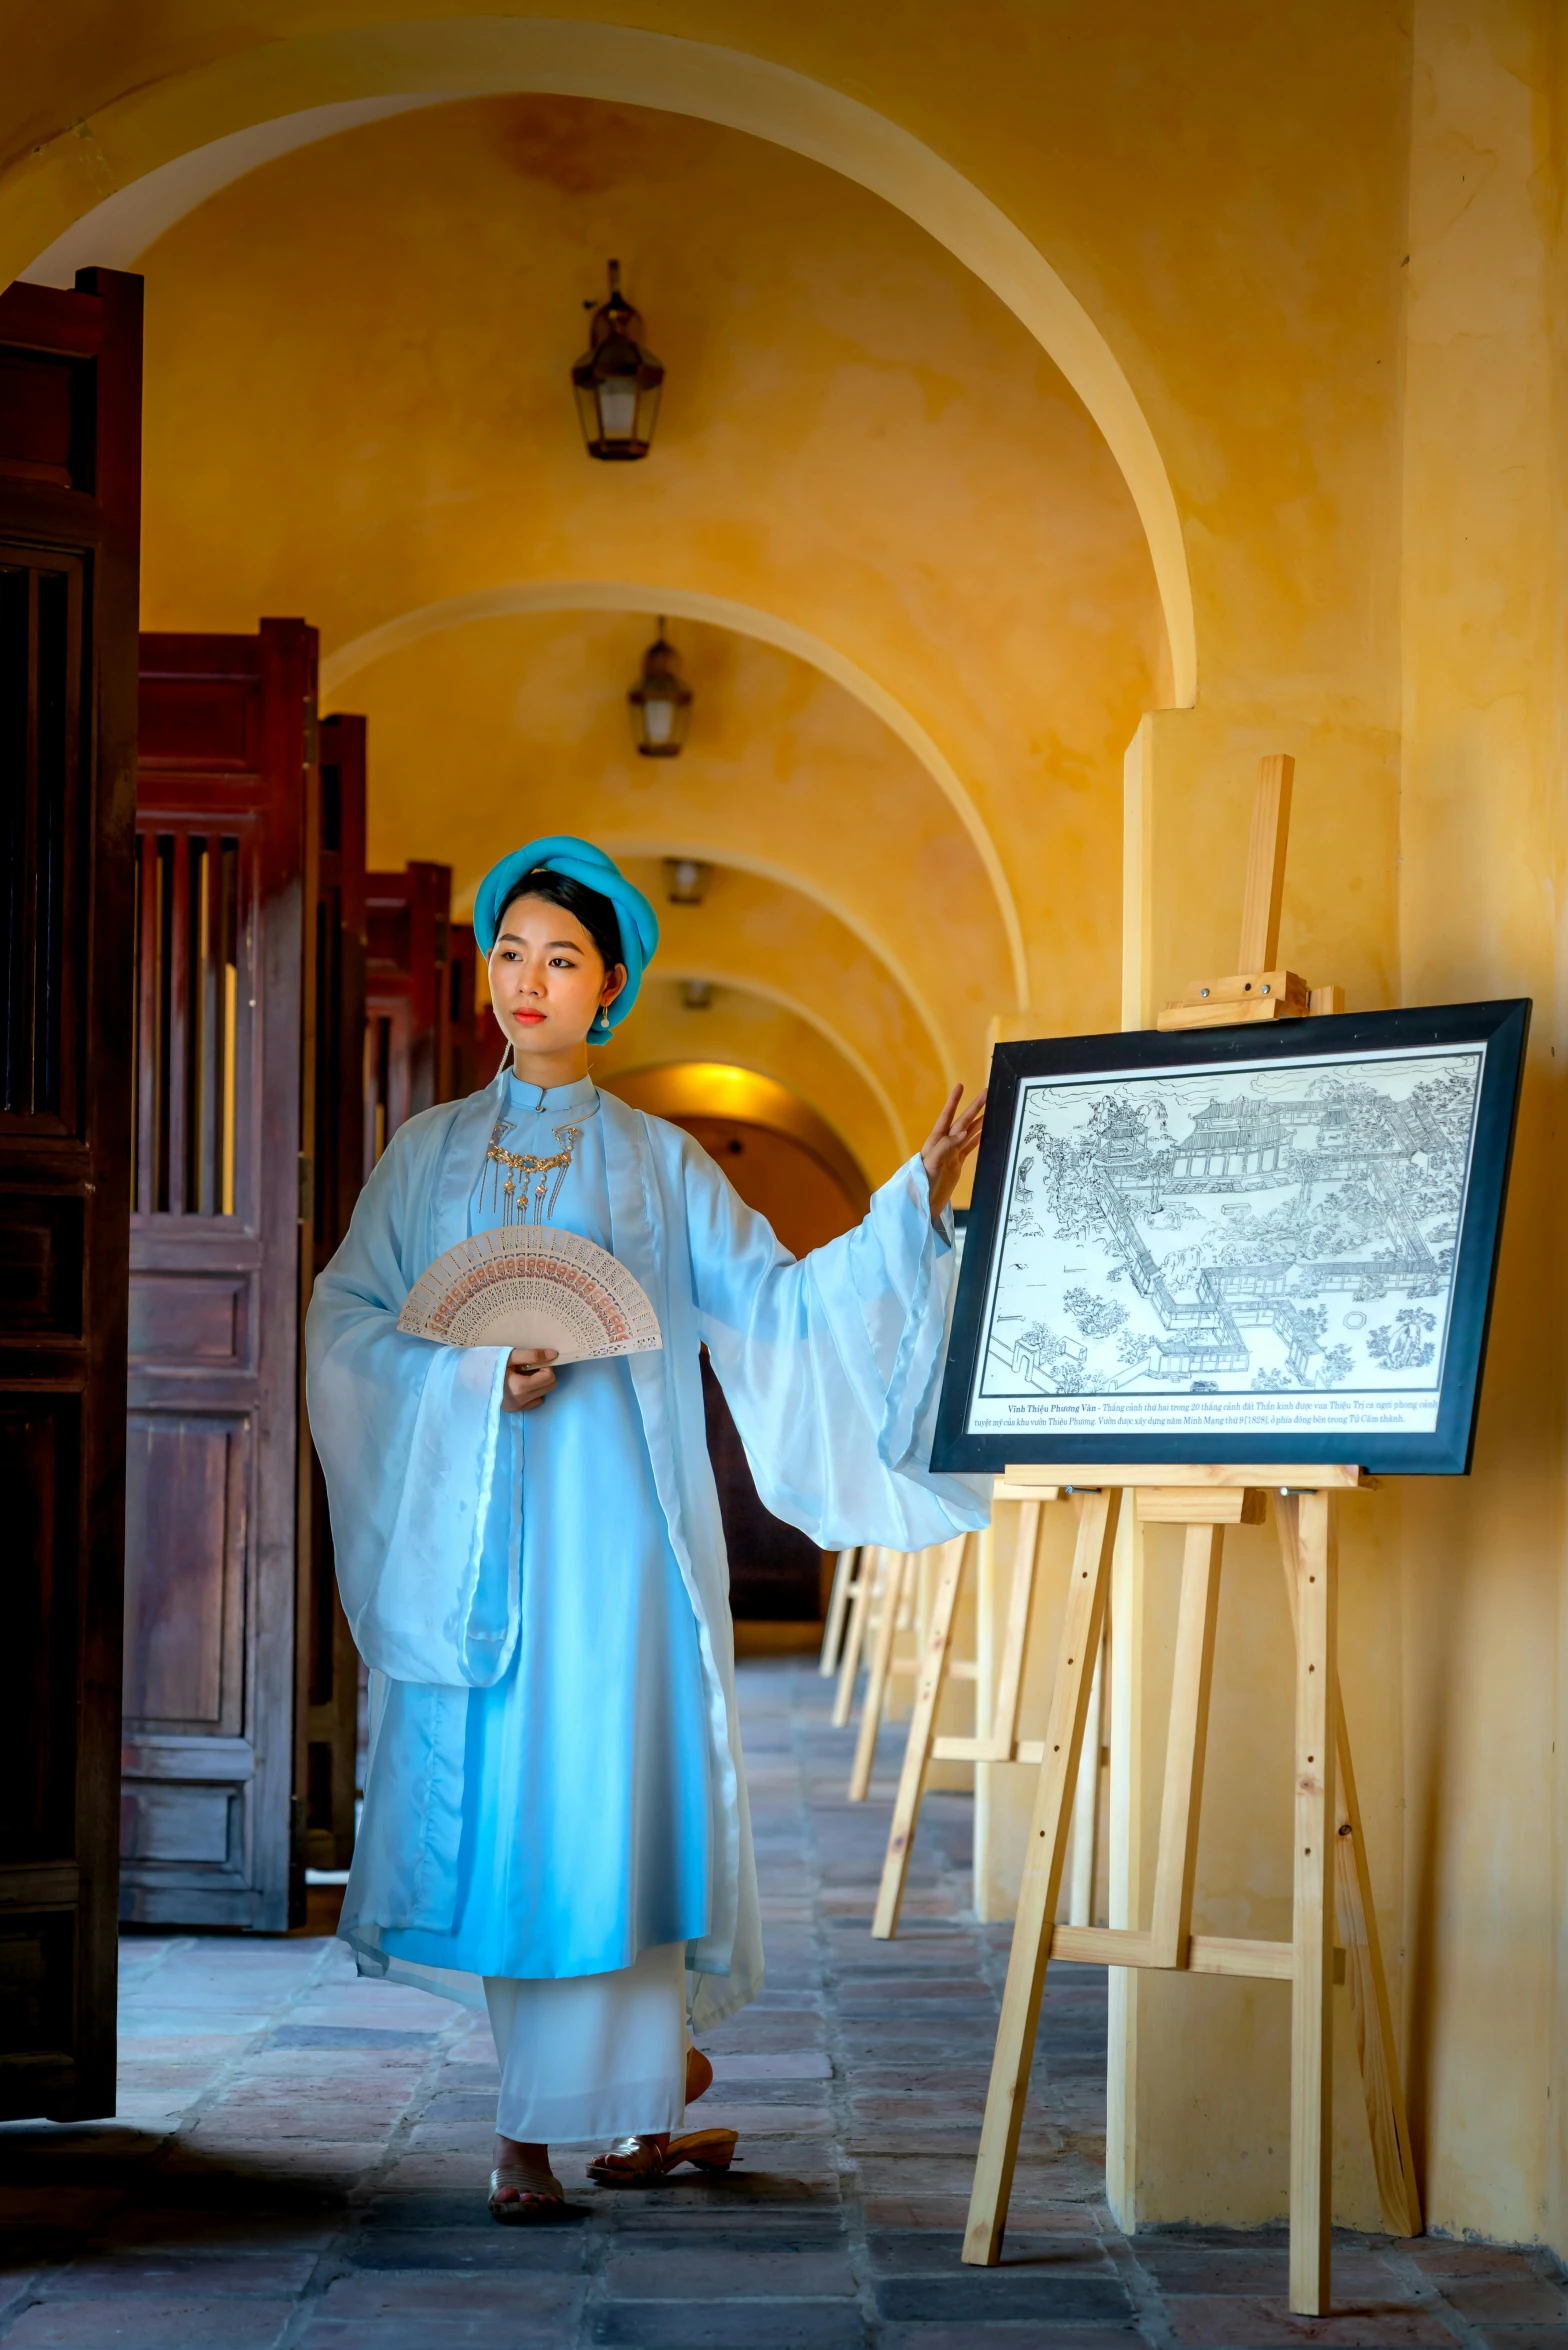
<point x="1003" y="1727"/>
<point x="900" y="1567"/>
<point x="1086" y="1805"/>
<point x="872" y="1565"/>
<point x="922" y="1729"/>
<point x="1312" y="1994"/>
<point x="1124" y="1838"/>
<point x="1186" y="1742"/>
<point x="1043" y="1862"/>
<point x="838" y="1607"/>
<point x="1371" y="2009"/>
<point x="1372" y="2016"/>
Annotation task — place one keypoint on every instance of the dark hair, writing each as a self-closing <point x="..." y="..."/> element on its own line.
<point x="591" y="908"/>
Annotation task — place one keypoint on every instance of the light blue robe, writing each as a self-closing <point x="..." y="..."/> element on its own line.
<point x="587" y="1815"/>
<point x="831" y="1367"/>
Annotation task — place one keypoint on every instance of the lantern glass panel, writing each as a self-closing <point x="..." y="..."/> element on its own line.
<point x="650" y="385"/>
<point x="618" y="409"/>
<point x="658" y="720"/>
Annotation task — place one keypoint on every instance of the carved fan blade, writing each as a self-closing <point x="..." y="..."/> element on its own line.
<point x="532" y="1285"/>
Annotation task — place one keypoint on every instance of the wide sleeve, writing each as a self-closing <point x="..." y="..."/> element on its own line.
<point x="832" y="1365"/>
<point x="409" y="1434"/>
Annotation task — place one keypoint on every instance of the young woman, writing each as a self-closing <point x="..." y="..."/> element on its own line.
<point x="532" y="1560"/>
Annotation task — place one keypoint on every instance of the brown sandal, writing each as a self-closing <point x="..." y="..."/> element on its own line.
<point x="539" y="2196"/>
<point x="703" y="2149"/>
<point x="639" y="2162"/>
<point x="699" y="2075"/>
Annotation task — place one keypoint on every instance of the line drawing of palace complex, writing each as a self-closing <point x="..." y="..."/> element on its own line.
<point x="1392" y="1165"/>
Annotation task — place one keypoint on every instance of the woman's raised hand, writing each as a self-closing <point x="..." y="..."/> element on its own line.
<point x="949" y="1143"/>
<point x="529" y="1378"/>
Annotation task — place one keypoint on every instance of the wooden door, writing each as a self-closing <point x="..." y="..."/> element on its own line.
<point x="489" y="1045"/>
<point x="327" y="1714"/>
<point x="776" y="1572"/>
<point x="70" y="492"/>
<point x="408" y="1067"/>
<point x="463" y="1032"/>
<point x="477" y="1043"/>
<point x="226" y="845"/>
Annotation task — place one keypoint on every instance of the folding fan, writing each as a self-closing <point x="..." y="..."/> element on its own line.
<point x="531" y="1285"/>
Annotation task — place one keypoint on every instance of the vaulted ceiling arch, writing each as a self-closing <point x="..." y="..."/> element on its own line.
<point x="747" y="983"/>
<point x="104" y="188"/>
<point x="342" y="665"/>
<point x="622" y="845"/>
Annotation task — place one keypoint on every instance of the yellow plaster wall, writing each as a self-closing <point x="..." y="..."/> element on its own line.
<point x="1484" y="840"/>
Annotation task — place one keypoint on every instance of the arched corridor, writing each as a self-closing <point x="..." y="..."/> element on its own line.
<point x="1061" y="418"/>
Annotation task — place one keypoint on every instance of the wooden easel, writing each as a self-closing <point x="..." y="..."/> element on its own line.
<point x="906" y="1607"/>
<point x="1205" y="1500"/>
<point x="900" y="1571"/>
<point x="861" y="1590"/>
<point x="997" y="1741"/>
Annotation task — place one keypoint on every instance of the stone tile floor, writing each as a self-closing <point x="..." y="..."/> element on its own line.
<point x="298" y="2159"/>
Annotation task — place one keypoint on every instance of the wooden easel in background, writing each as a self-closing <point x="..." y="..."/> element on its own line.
<point x="994" y="1741"/>
<point x="887" y="1593"/>
<point x="1206" y="1499"/>
<point x="902" y="1606"/>
<point x="846" y="1572"/>
<point x="861" y="1582"/>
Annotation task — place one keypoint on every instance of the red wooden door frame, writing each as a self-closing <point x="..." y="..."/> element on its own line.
<point x="70" y="501"/>
<point x="408" y="1057"/>
<point x="219" y="1276"/>
<point x="327" y="1709"/>
<point x="463" y="1033"/>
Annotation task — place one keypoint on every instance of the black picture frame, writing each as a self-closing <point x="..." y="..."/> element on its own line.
<point x="1499" y="1028"/>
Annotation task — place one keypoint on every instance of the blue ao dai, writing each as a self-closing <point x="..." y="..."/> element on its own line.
<point x="584" y="1855"/>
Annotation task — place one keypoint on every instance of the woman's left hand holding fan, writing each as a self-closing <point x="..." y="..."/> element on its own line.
<point x="529" y="1378"/>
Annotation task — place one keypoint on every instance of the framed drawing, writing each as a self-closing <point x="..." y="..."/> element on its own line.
<point x="1237" y="1244"/>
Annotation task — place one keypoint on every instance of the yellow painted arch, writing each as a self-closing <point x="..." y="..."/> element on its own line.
<point x="615" y="595"/>
<point x="744" y="983"/>
<point x="162" y="127"/>
<point x="729" y="1089"/>
<point x="627" y="845"/>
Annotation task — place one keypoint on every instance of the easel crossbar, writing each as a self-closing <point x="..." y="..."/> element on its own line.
<point x="987" y="1750"/>
<point x="1206" y="1954"/>
<point x="1025" y="1482"/>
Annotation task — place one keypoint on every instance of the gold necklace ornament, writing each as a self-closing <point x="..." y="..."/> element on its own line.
<point x="522" y="1178"/>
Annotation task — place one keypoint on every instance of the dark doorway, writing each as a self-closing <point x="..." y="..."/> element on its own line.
<point x="775" y="1570"/>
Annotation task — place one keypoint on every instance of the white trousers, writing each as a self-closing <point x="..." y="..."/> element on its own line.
<point x="589" y="2058"/>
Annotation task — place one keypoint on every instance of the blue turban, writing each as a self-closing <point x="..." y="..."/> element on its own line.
<point x="579" y="861"/>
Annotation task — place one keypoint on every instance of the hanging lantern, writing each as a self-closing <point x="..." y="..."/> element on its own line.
<point x="660" y="702"/>
<point x="685" y="881"/>
<point x="616" y="381"/>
